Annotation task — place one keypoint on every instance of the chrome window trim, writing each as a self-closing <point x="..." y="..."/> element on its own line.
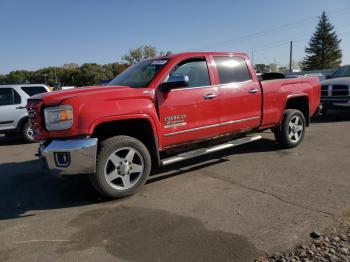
<point x="218" y="85"/>
<point x="211" y="126"/>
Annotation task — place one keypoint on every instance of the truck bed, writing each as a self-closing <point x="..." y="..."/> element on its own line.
<point x="277" y="92"/>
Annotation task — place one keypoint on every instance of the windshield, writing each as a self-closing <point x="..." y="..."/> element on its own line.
<point x="342" y="72"/>
<point x="140" y="74"/>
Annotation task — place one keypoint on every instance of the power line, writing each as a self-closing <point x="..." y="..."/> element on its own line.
<point x="285" y="43"/>
<point x="282" y="43"/>
<point x="277" y="29"/>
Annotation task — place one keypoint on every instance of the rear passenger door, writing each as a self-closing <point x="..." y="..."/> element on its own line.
<point x="10" y="100"/>
<point x="240" y="96"/>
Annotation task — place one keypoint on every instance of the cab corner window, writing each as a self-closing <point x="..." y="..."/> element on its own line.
<point x="195" y="69"/>
<point x="231" y="69"/>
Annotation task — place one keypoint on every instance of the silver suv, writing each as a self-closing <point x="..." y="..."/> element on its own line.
<point x="335" y="91"/>
<point x="13" y="114"/>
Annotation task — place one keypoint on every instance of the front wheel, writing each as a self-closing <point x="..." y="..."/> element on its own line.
<point x="123" y="166"/>
<point x="292" y="129"/>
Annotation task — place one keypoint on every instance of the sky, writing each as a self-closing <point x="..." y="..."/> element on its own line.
<point x="41" y="33"/>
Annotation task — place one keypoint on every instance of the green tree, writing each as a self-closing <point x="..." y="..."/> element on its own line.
<point x="323" y="51"/>
<point x="138" y="54"/>
<point x="90" y="74"/>
<point x="262" y="68"/>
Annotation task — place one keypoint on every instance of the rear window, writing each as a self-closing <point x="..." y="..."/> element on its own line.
<point x="231" y="69"/>
<point x="33" y="90"/>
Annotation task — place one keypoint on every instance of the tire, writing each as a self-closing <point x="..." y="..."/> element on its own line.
<point x="323" y="111"/>
<point x="292" y="130"/>
<point x="123" y="166"/>
<point x="27" y="132"/>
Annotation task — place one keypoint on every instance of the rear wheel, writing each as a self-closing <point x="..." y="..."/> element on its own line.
<point x="123" y="166"/>
<point x="292" y="129"/>
<point x="28" y="133"/>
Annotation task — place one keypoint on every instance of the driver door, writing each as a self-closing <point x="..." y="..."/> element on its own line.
<point x="190" y="112"/>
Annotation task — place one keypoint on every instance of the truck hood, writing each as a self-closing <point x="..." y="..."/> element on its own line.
<point x="337" y="81"/>
<point x="56" y="97"/>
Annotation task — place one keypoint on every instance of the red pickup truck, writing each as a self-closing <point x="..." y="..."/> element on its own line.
<point x="164" y="110"/>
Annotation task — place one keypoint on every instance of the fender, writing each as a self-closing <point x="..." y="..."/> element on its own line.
<point x="155" y="128"/>
<point x="293" y="96"/>
<point x="285" y="105"/>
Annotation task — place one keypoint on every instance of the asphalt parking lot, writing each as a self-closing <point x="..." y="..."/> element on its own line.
<point x="231" y="206"/>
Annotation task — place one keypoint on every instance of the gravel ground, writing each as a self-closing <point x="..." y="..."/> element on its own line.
<point x="332" y="245"/>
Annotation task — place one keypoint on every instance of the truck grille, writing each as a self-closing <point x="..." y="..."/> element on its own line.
<point x="324" y="90"/>
<point x="334" y="90"/>
<point x="34" y="114"/>
<point x="340" y="90"/>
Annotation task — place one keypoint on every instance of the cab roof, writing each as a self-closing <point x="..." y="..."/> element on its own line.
<point x="192" y="54"/>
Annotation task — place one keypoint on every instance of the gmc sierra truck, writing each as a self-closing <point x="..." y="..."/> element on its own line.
<point x="164" y="110"/>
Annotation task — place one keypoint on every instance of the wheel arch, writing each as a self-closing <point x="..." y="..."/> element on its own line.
<point x="21" y="123"/>
<point x="140" y="128"/>
<point x="301" y="103"/>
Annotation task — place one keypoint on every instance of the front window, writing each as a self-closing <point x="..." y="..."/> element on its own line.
<point x="196" y="69"/>
<point x="140" y="74"/>
<point x="342" y="72"/>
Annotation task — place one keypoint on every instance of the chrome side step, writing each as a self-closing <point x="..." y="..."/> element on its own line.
<point x="204" y="151"/>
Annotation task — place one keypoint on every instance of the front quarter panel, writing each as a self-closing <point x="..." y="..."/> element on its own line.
<point x="91" y="110"/>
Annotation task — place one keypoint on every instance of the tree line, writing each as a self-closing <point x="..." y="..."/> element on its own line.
<point x="73" y="74"/>
<point x="69" y="74"/>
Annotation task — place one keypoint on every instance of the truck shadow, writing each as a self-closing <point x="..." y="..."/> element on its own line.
<point x="25" y="188"/>
<point x="332" y="116"/>
<point x="180" y="168"/>
<point x="12" y="140"/>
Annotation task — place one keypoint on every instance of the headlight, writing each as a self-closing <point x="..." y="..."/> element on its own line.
<point x="58" y="117"/>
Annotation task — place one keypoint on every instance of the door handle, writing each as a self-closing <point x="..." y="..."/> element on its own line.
<point x="209" y="96"/>
<point x="21" y="107"/>
<point x="253" y="91"/>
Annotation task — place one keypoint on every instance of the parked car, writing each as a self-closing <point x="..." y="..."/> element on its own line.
<point x="320" y="76"/>
<point x="335" y="91"/>
<point x="165" y="110"/>
<point x="13" y="114"/>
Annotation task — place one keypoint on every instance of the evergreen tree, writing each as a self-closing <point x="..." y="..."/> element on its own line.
<point x="323" y="51"/>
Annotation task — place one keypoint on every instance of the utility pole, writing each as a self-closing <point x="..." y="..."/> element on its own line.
<point x="45" y="75"/>
<point x="290" y="56"/>
<point x="55" y="75"/>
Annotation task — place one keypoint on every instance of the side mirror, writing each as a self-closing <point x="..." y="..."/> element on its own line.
<point x="175" y="82"/>
<point x="328" y="76"/>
